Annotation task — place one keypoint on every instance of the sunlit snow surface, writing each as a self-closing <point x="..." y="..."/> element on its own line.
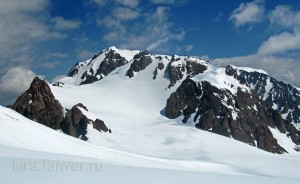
<point x="144" y="146"/>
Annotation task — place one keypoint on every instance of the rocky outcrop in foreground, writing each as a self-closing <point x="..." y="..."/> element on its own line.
<point x="39" y="104"/>
<point x="76" y="123"/>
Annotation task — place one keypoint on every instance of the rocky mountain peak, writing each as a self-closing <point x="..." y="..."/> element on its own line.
<point x="140" y="62"/>
<point x="39" y="104"/>
<point x="239" y="102"/>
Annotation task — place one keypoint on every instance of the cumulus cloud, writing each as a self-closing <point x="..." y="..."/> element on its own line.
<point x="23" y="24"/>
<point x="14" y="82"/>
<point x="281" y="43"/>
<point x="287" y="72"/>
<point x="284" y="16"/>
<point x="275" y="51"/>
<point x="62" y="24"/>
<point x="248" y="13"/>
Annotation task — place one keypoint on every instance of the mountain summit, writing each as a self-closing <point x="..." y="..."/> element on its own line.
<point x="237" y="102"/>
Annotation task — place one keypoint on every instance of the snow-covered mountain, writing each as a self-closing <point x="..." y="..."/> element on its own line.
<point x="236" y="102"/>
<point x="172" y="114"/>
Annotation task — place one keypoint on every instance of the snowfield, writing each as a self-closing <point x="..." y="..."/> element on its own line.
<point x="144" y="146"/>
<point x="29" y="150"/>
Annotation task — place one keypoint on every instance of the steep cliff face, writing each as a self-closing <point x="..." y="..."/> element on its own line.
<point x="39" y="104"/>
<point x="140" y="62"/>
<point x="242" y="116"/>
<point x="178" y="68"/>
<point x="111" y="61"/>
<point x="280" y="96"/>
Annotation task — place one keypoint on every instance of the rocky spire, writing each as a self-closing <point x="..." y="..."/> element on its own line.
<point x="39" y="104"/>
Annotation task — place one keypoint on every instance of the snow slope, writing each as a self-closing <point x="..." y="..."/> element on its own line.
<point x="218" y="159"/>
<point x="144" y="146"/>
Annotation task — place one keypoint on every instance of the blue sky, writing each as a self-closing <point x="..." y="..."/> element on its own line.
<point x="46" y="37"/>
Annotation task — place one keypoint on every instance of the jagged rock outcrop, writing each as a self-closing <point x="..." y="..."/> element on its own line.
<point x="59" y="84"/>
<point x="39" y="104"/>
<point x="111" y="61"/>
<point x="76" y="123"/>
<point x="160" y="66"/>
<point x="242" y="116"/>
<point x="280" y="96"/>
<point x="175" y="71"/>
<point x="140" y="62"/>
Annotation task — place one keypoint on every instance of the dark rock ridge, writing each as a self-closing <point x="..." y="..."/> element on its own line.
<point x="75" y="69"/>
<point x="243" y="116"/>
<point x="59" y="84"/>
<point x="281" y="96"/>
<point x="111" y="61"/>
<point x="38" y="104"/>
<point x="160" y="66"/>
<point x="176" y="72"/>
<point x="75" y="123"/>
<point x="140" y="62"/>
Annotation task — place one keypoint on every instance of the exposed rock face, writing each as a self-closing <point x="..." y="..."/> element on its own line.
<point x="111" y="61"/>
<point x="100" y="126"/>
<point x="140" y="62"/>
<point x="160" y="66"/>
<point x="74" y="70"/>
<point x="175" y="72"/>
<point x="59" y="84"/>
<point x="39" y="104"/>
<point x="76" y="123"/>
<point x="243" y="116"/>
<point x="280" y="96"/>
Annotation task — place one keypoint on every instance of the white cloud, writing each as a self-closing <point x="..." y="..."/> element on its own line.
<point x="126" y="3"/>
<point x="22" y="25"/>
<point x="188" y="48"/>
<point x="152" y="30"/>
<point x="51" y="64"/>
<point x="248" y="13"/>
<point x="280" y="43"/>
<point x="129" y="3"/>
<point x="14" y="82"/>
<point x="99" y="2"/>
<point x="122" y="13"/>
<point x="287" y="72"/>
<point x="285" y="17"/>
<point x="169" y="2"/>
<point x="85" y="54"/>
<point x="62" y="24"/>
<point x="55" y="55"/>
